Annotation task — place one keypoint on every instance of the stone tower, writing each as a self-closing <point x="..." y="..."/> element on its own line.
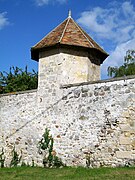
<point x="67" y="55"/>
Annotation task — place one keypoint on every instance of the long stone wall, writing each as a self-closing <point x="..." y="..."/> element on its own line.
<point x="89" y="119"/>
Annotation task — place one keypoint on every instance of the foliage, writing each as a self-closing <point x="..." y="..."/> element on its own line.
<point x="33" y="163"/>
<point x="88" y="161"/>
<point x="128" y="68"/>
<point x="57" y="162"/>
<point x="17" y="80"/>
<point x="45" y="146"/>
<point x="15" y="158"/>
<point x="2" y="159"/>
<point x="23" y="164"/>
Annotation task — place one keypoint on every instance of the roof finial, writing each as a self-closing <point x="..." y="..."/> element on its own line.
<point x="69" y="14"/>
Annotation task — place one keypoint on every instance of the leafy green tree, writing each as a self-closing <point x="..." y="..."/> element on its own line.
<point x="18" y="80"/>
<point x="128" y="68"/>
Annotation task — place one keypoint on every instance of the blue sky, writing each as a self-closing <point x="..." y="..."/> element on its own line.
<point x="24" y="22"/>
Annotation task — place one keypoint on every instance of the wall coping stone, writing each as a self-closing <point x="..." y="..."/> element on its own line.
<point x="97" y="82"/>
<point x="74" y="85"/>
<point x="19" y="92"/>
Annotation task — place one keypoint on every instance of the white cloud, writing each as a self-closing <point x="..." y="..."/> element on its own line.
<point x="3" y="20"/>
<point x="128" y="9"/>
<point x="116" y="57"/>
<point x="41" y="2"/>
<point x="115" y="23"/>
<point x="115" y="27"/>
<point x="45" y="2"/>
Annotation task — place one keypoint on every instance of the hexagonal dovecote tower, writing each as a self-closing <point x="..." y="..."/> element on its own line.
<point x="67" y="55"/>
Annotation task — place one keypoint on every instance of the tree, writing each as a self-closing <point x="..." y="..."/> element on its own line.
<point x="18" y="80"/>
<point x="128" y="68"/>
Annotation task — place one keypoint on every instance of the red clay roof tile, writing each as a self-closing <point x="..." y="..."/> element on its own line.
<point x="67" y="33"/>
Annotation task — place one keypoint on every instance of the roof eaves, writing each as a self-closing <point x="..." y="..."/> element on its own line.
<point x="48" y="34"/>
<point x="99" y="47"/>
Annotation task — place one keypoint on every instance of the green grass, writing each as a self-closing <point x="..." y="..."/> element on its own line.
<point x="67" y="173"/>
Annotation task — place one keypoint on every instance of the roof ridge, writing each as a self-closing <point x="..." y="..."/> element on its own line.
<point x="64" y="30"/>
<point x="95" y="42"/>
<point x="67" y="33"/>
<point x="83" y="33"/>
<point x="50" y="32"/>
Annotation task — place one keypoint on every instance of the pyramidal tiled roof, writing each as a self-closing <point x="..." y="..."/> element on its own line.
<point x="67" y="33"/>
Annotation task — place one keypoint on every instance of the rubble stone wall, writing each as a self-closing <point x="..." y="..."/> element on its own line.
<point x="93" y="120"/>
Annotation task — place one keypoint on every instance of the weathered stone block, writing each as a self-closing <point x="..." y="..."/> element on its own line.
<point x="133" y="143"/>
<point x="127" y="134"/>
<point x="126" y="114"/>
<point x="76" y="93"/>
<point x="124" y="154"/>
<point x="125" y="127"/>
<point x="125" y="140"/>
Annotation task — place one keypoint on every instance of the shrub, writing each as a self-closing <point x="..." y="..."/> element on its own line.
<point x="15" y="158"/>
<point x="2" y="158"/>
<point x="45" y="146"/>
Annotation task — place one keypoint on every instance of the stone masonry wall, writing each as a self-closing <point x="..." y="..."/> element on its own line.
<point x="68" y="66"/>
<point x="96" y="119"/>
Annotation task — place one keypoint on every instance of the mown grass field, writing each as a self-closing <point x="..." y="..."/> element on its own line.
<point x="67" y="173"/>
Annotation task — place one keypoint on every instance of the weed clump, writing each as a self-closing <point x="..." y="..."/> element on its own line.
<point x="45" y="147"/>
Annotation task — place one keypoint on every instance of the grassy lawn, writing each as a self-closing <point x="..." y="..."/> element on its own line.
<point x="67" y="173"/>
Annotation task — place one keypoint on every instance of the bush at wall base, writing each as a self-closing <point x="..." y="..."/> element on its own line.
<point x="45" y="147"/>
